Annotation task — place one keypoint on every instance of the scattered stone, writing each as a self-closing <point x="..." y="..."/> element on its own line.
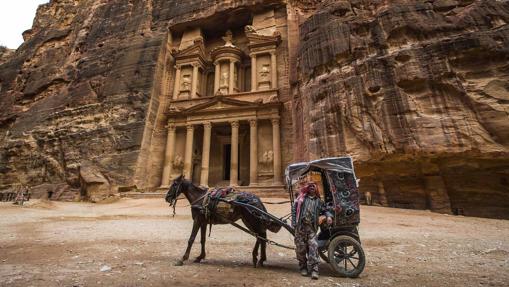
<point x="105" y="268"/>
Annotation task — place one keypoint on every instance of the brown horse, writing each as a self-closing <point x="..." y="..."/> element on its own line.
<point x="195" y="195"/>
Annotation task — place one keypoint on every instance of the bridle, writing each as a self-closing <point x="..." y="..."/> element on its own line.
<point x="173" y="201"/>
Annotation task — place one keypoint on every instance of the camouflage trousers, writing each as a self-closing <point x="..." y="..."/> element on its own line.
<point x="306" y="247"/>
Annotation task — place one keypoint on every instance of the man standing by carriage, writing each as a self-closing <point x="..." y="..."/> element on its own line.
<point x="308" y="212"/>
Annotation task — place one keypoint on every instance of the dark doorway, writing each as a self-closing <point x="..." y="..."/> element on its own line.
<point x="227" y="151"/>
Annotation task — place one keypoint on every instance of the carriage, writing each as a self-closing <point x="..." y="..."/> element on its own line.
<point x="339" y="244"/>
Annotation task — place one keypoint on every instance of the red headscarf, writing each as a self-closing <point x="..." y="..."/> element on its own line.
<point x="302" y="194"/>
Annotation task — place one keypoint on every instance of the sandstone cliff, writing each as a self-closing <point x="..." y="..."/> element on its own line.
<point x="416" y="91"/>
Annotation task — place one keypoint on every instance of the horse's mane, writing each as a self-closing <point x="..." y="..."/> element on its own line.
<point x="191" y="184"/>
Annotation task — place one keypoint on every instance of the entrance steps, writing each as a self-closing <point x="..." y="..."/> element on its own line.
<point x="260" y="190"/>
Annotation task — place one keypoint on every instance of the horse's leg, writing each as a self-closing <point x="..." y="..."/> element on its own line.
<point x="263" y="254"/>
<point x="196" y="225"/>
<point x="203" y="234"/>
<point x="251" y="223"/>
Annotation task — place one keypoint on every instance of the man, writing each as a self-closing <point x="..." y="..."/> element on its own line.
<point x="307" y="211"/>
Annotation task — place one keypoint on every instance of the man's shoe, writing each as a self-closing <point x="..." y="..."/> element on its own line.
<point x="314" y="275"/>
<point x="304" y="272"/>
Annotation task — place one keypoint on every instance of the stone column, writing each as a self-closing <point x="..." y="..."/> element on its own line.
<point x="273" y="70"/>
<point x="204" y="178"/>
<point x="234" y="166"/>
<point x="253" y="155"/>
<point x="231" y="83"/>
<point x="217" y="76"/>
<point x="169" y="155"/>
<point x="176" y="87"/>
<point x="188" y="157"/>
<point x="194" y="83"/>
<point x="276" y="147"/>
<point x="254" y="70"/>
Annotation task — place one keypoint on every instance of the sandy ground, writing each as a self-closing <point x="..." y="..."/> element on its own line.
<point x="67" y="244"/>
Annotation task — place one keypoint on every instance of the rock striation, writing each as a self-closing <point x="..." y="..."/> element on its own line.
<point x="416" y="91"/>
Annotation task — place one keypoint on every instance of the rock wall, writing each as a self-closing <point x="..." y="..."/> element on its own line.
<point x="78" y="89"/>
<point x="87" y="85"/>
<point x="418" y="93"/>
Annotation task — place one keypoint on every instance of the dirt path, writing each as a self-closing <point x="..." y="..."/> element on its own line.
<point x="66" y="244"/>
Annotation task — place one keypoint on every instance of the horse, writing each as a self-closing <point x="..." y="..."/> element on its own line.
<point x="195" y="195"/>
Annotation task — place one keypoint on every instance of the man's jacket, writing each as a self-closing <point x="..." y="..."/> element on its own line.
<point x="312" y="207"/>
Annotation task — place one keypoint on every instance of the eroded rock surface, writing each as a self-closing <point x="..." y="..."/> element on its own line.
<point x="416" y="91"/>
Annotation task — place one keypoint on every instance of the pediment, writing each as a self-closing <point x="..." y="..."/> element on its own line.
<point x="195" y="50"/>
<point x="219" y="103"/>
<point x="258" y="40"/>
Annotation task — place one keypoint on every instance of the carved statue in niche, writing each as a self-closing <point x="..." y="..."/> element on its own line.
<point x="186" y="83"/>
<point x="266" y="161"/>
<point x="264" y="78"/>
<point x="223" y="85"/>
<point x="178" y="163"/>
<point x="224" y="79"/>
<point x="264" y="73"/>
<point x="228" y="39"/>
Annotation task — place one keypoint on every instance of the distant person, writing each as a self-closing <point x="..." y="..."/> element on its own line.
<point x="307" y="211"/>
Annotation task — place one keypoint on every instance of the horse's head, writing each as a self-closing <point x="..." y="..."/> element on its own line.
<point x="175" y="190"/>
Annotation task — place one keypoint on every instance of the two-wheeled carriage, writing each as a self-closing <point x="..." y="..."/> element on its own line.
<point x="339" y="244"/>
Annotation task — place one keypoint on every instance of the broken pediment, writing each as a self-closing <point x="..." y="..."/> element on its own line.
<point x="257" y="40"/>
<point x="197" y="50"/>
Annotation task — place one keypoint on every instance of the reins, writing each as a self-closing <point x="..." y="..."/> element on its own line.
<point x="177" y="193"/>
<point x="174" y="200"/>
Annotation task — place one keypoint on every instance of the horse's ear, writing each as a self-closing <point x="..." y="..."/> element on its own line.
<point x="179" y="178"/>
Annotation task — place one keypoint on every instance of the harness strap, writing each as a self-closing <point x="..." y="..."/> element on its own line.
<point x="270" y="242"/>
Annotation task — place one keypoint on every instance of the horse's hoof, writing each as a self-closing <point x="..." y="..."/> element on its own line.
<point x="197" y="260"/>
<point x="260" y="263"/>
<point x="179" y="263"/>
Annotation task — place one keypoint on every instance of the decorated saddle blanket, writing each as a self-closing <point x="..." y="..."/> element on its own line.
<point x="212" y="204"/>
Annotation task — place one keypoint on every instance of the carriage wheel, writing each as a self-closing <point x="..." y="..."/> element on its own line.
<point x="346" y="256"/>
<point x="323" y="254"/>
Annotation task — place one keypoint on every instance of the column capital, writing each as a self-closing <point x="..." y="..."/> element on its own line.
<point x="253" y="122"/>
<point x="235" y="124"/>
<point x="177" y="67"/>
<point x="253" y="55"/>
<point x="195" y="65"/>
<point x="190" y="127"/>
<point x="207" y="125"/>
<point x="171" y="127"/>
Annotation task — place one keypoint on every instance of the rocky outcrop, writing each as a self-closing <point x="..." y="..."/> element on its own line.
<point x="5" y="54"/>
<point x="417" y="92"/>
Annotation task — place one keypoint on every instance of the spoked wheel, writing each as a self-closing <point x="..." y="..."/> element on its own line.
<point x="346" y="256"/>
<point x="323" y="254"/>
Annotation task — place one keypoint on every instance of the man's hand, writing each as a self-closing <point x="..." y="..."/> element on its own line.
<point x="329" y="220"/>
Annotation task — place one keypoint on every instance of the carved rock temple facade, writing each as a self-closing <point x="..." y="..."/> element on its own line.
<point x="224" y="111"/>
<point x="115" y="97"/>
